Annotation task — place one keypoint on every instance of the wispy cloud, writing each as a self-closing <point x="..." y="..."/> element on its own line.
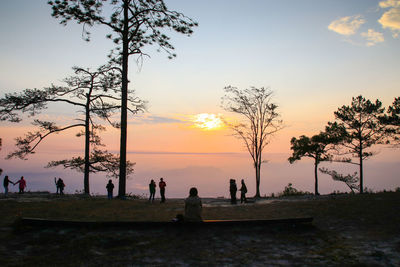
<point x="155" y="119"/>
<point x="347" y="25"/>
<point x="391" y="18"/>
<point x="373" y="37"/>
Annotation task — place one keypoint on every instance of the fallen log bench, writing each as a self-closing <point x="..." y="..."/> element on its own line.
<point x="41" y="222"/>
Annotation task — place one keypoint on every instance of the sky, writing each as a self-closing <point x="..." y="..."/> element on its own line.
<point x="314" y="55"/>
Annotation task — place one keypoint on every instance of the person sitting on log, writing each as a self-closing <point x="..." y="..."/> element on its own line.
<point x="193" y="206"/>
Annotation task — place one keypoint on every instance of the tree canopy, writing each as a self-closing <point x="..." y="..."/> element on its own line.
<point x="392" y="120"/>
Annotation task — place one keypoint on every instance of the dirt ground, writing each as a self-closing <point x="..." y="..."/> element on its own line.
<point x="347" y="230"/>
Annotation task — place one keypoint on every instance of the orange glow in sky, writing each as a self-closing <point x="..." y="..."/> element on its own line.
<point x="314" y="55"/>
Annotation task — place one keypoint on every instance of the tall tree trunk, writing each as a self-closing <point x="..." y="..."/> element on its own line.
<point x="87" y="147"/>
<point x="124" y="104"/>
<point x="258" y="172"/>
<point x="316" y="177"/>
<point x="361" y="172"/>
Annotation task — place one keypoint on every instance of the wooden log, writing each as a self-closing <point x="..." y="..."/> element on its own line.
<point x="40" y="222"/>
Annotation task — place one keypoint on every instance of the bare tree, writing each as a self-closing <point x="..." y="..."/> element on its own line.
<point x="260" y="121"/>
<point x="96" y="93"/>
<point x="134" y="25"/>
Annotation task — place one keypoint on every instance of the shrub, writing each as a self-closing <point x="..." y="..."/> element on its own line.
<point x="291" y="191"/>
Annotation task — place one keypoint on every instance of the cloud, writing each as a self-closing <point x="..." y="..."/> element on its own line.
<point x="154" y="119"/>
<point x="391" y="18"/>
<point x="347" y="25"/>
<point x="373" y="37"/>
<point x="389" y="3"/>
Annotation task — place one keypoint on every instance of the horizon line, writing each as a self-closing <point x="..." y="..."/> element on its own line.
<point x="191" y="153"/>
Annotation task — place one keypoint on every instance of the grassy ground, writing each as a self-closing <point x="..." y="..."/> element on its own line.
<point x="349" y="230"/>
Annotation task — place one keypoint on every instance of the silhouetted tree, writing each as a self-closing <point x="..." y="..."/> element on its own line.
<point x="361" y="126"/>
<point x="96" y="93"/>
<point x="134" y="24"/>
<point x="318" y="147"/>
<point x="261" y="121"/>
<point x="392" y="121"/>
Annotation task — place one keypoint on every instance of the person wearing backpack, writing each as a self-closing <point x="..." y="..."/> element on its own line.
<point x="243" y="191"/>
<point x="110" y="188"/>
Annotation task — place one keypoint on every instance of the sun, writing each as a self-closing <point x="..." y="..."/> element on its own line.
<point x="207" y="121"/>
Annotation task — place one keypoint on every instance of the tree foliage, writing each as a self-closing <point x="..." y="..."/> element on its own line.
<point x="351" y="180"/>
<point x="99" y="160"/>
<point x="142" y="21"/>
<point x="133" y="25"/>
<point x="260" y="120"/>
<point x="392" y="120"/>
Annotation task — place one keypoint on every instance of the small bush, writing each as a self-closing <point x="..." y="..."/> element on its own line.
<point x="291" y="191"/>
<point x="368" y="190"/>
<point x="130" y="195"/>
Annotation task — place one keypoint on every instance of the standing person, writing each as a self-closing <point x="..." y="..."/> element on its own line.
<point x="193" y="206"/>
<point x="233" y="190"/>
<point x="243" y="191"/>
<point x="110" y="189"/>
<point x="6" y="182"/>
<point x="22" y="185"/>
<point x="152" y="189"/>
<point x="162" y="186"/>
<point x="56" y="183"/>
<point x="61" y="185"/>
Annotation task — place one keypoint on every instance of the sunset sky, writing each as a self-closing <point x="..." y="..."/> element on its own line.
<point x="314" y="55"/>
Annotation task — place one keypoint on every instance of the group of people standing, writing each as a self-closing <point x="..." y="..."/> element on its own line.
<point x="193" y="201"/>
<point x="233" y="190"/>
<point x="22" y="184"/>
<point x="152" y="188"/>
<point x="6" y="182"/>
<point x="59" y="185"/>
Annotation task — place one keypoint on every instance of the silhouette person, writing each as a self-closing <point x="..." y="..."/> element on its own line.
<point x="243" y="191"/>
<point x="110" y="189"/>
<point x="56" y="183"/>
<point x="152" y="189"/>
<point x="233" y="190"/>
<point x="6" y="182"/>
<point x="193" y="206"/>
<point x="22" y="185"/>
<point x="60" y="186"/>
<point x="162" y="186"/>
